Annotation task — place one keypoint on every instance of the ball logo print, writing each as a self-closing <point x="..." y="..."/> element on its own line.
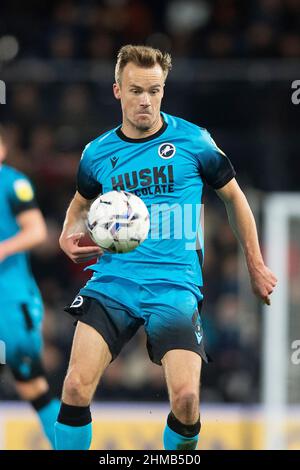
<point x="166" y="151"/>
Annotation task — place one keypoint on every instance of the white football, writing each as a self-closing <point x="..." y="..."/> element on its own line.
<point x="118" y="221"/>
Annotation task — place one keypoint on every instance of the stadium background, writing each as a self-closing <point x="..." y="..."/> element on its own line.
<point x="233" y="66"/>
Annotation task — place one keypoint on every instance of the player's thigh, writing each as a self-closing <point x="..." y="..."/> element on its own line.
<point x="112" y="323"/>
<point x="90" y="354"/>
<point x="174" y="323"/>
<point x="182" y="370"/>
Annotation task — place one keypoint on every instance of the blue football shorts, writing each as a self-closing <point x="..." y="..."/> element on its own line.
<point x="118" y="307"/>
<point x="20" y="330"/>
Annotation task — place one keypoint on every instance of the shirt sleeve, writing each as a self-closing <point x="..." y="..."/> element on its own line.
<point x="22" y="195"/>
<point x="87" y="185"/>
<point x="214" y="166"/>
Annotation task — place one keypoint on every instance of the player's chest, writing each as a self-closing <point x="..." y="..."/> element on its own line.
<point x="166" y="166"/>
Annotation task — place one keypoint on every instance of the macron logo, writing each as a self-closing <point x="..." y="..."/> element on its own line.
<point x="114" y="161"/>
<point x="199" y="337"/>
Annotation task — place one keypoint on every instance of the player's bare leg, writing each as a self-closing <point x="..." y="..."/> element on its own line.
<point x="182" y="370"/>
<point x="89" y="358"/>
<point x="36" y="392"/>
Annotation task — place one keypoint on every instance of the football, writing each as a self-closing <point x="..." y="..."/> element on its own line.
<point x="118" y="221"/>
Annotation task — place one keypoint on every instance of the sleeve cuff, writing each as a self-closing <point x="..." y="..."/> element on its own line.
<point x="225" y="179"/>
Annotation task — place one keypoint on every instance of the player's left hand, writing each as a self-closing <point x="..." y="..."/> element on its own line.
<point x="263" y="282"/>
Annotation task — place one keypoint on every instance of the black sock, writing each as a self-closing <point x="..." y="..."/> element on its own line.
<point x="74" y="415"/>
<point x="186" y="430"/>
<point x="41" y="401"/>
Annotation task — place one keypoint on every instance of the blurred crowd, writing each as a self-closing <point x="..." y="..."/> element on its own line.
<point x="49" y="123"/>
<point x="95" y="29"/>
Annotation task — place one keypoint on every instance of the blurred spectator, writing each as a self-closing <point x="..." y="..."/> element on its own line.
<point x="62" y="45"/>
<point x="198" y="28"/>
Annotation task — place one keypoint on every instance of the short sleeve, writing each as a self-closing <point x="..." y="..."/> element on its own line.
<point x="22" y="195"/>
<point x="215" y="167"/>
<point x="87" y="185"/>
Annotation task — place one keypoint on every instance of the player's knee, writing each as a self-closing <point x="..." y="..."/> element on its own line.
<point x="32" y="389"/>
<point x="76" y="391"/>
<point x="185" y="405"/>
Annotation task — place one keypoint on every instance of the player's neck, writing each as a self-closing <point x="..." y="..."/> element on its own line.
<point x="132" y="132"/>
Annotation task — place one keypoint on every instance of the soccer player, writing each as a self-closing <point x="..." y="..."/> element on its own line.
<point x="164" y="160"/>
<point x="22" y="227"/>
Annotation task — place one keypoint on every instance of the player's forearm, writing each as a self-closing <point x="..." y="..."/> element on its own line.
<point x="243" y="224"/>
<point x="25" y="240"/>
<point x="75" y="220"/>
<point x="32" y="232"/>
<point x="73" y="232"/>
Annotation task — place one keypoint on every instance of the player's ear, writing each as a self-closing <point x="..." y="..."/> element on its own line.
<point x="117" y="91"/>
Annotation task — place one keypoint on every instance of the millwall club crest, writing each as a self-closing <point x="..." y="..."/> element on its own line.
<point x="166" y="151"/>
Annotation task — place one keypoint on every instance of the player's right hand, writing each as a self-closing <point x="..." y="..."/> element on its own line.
<point x="78" y="254"/>
<point x="263" y="282"/>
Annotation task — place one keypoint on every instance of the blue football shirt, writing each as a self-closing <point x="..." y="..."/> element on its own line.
<point x="16" y="195"/>
<point x="167" y="171"/>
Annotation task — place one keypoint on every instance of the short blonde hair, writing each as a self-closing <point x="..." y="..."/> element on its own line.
<point x="142" y="56"/>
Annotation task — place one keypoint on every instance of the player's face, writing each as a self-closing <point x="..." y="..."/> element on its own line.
<point x="140" y="92"/>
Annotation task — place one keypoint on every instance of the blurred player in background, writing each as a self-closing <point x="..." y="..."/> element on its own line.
<point x="22" y="227"/>
<point x="164" y="160"/>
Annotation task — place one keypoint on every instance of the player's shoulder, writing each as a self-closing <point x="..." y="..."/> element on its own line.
<point x="97" y="145"/>
<point x="196" y="138"/>
<point x="12" y="174"/>
<point x="185" y="127"/>
<point x="17" y="184"/>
